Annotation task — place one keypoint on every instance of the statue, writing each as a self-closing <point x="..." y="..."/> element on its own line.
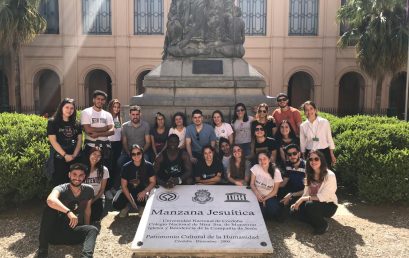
<point x="204" y="28"/>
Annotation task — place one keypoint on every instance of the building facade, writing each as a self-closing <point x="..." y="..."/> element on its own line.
<point x="112" y="44"/>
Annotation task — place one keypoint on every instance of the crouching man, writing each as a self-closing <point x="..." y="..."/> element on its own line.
<point x="67" y="215"/>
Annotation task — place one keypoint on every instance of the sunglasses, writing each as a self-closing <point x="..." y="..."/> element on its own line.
<point x="313" y="159"/>
<point x="197" y="137"/>
<point x="259" y="129"/>
<point x="236" y="150"/>
<point x="289" y="154"/>
<point x="240" y="110"/>
<point x="261" y="111"/>
<point x="282" y="99"/>
<point x="134" y="154"/>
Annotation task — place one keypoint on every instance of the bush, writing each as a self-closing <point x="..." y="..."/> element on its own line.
<point x="24" y="149"/>
<point x="373" y="157"/>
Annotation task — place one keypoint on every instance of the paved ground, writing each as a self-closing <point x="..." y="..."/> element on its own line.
<point x="356" y="230"/>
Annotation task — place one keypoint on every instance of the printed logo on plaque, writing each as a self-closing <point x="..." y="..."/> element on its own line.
<point x="168" y="197"/>
<point x="236" y="197"/>
<point x="202" y="197"/>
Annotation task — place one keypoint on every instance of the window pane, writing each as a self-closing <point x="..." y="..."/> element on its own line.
<point x="303" y="17"/>
<point x="254" y="16"/>
<point x="49" y="10"/>
<point x="148" y="18"/>
<point x="96" y="15"/>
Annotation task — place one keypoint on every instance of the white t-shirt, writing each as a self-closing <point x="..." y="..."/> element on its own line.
<point x="181" y="135"/>
<point x="243" y="131"/>
<point x="96" y="119"/>
<point x="94" y="181"/>
<point x="117" y="129"/>
<point x="264" y="183"/>
<point x="224" y="131"/>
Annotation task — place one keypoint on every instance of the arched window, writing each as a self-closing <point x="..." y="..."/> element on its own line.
<point x="303" y="20"/>
<point x="98" y="80"/>
<point x="4" y="93"/>
<point x="254" y="13"/>
<point x="300" y="88"/>
<point x="140" y="89"/>
<point x="47" y="93"/>
<point x="397" y="96"/>
<point x="148" y="17"/>
<point x="351" y="94"/>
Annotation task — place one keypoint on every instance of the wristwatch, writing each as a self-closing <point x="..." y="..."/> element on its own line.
<point x="67" y="212"/>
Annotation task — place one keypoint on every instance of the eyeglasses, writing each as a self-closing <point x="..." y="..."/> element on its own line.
<point x="259" y="129"/>
<point x="134" y="154"/>
<point x="261" y="111"/>
<point x="313" y="159"/>
<point x="282" y="99"/>
<point x="240" y="110"/>
<point x="289" y="154"/>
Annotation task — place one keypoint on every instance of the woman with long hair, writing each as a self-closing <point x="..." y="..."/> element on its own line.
<point x="265" y="182"/>
<point x="238" y="171"/>
<point x="65" y="137"/>
<point x="262" y="143"/>
<point x="315" y="134"/>
<point x="179" y="128"/>
<point x="284" y="136"/>
<point x="242" y="128"/>
<point x="159" y="134"/>
<point x="262" y="118"/>
<point x="137" y="181"/>
<point x="98" y="177"/>
<point x="114" y="107"/>
<point x="209" y="169"/>
<point x="221" y="129"/>
<point x="319" y="200"/>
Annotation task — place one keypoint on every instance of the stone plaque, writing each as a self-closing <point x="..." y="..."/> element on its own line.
<point x="202" y="220"/>
<point x="207" y="67"/>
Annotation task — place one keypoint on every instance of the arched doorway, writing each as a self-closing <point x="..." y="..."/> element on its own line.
<point x="397" y="96"/>
<point x="139" y="82"/>
<point x="351" y="94"/>
<point x="300" y="88"/>
<point x="97" y="80"/>
<point x="4" y="93"/>
<point x="48" y="92"/>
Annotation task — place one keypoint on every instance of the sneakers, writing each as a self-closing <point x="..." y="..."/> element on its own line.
<point x="320" y="231"/>
<point x="109" y="195"/>
<point x="124" y="212"/>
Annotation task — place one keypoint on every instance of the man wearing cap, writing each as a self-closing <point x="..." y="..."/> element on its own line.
<point x="286" y="112"/>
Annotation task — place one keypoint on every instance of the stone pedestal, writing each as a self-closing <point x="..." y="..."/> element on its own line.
<point x="204" y="83"/>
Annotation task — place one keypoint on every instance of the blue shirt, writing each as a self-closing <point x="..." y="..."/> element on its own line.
<point x="295" y="176"/>
<point x="200" y="139"/>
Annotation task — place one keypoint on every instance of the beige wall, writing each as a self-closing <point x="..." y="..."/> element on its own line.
<point x="124" y="55"/>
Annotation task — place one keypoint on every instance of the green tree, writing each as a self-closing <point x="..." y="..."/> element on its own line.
<point x="379" y="31"/>
<point x="20" y="22"/>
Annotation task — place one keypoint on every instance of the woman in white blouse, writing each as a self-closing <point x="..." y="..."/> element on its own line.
<point x="179" y="128"/>
<point x="315" y="134"/>
<point x="319" y="200"/>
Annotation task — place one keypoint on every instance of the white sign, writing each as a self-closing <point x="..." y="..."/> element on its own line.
<point x="201" y="219"/>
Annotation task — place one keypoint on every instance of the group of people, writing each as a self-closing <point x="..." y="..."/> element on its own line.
<point x="285" y="161"/>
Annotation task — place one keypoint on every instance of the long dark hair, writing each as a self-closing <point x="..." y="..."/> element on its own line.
<point x="278" y="136"/>
<point x="221" y="115"/>
<point x="142" y="167"/>
<point x="58" y="113"/>
<point x="157" y="115"/>
<point x="100" y="164"/>
<point x="323" y="168"/>
<point x="271" y="167"/>
<point x="182" y="115"/>
<point x="237" y="173"/>
<point x="235" y="117"/>
<point x="111" y="109"/>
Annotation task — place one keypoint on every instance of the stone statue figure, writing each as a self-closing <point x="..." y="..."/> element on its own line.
<point x="204" y="28"/>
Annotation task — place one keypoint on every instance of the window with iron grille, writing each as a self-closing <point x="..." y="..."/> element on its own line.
<point x="148" y="17"/>
<point x="254" y="14"/>
<point x="303" y="19"/>
<point x="96" y="17"/>
<point x="49" y="10"/>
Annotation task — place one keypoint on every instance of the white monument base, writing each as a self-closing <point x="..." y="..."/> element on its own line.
<point x="204" y="221"/>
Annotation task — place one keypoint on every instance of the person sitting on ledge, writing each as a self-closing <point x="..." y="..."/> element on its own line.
<point x="137" y="180"/>
<point x="66" y="217"/>
<point x="172" y="165"/>
<point x="209" y="169"/>
<point x="319" y="200"/>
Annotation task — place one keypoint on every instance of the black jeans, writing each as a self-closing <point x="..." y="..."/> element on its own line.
<point x="61" y="169"/>
<point x="114" y="180"/>
<point x="120" y="201"/>
<point x="314" y="213"/>
<point x="97" y="208"/>
<point x="55" y="230"/>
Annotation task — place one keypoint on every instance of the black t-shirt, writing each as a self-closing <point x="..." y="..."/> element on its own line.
<point x="65" y="132"/>
<point x="268" y="145"/>
<point x="135" y="178"/>
<point x="160" y="139"/>
<point x="170" y="168"/>
<point x="203" y="171"/>
<point x="268" y="127"/>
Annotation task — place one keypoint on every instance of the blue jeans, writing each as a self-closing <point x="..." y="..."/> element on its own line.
<point x="271" y="209"/>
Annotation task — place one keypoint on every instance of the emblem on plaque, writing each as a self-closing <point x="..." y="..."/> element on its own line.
<point x="168" y="197"/>
<point x="202" y="197"/>
<point x="236" y="197"/>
